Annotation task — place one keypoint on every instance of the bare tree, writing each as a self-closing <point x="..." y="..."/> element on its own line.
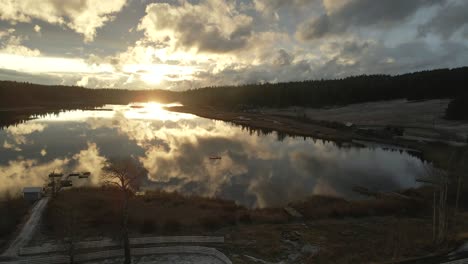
<point x="459" y="173"/>
<point x="125" y="174"/>
<point x="443" y="217"/>
<point x="71" y="226"/>
<point x="440" y="182"/>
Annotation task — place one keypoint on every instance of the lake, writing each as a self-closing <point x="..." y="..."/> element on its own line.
<point x="254" y="169"/>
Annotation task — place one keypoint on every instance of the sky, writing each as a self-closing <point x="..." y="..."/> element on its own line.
<point x="185" y="44"/>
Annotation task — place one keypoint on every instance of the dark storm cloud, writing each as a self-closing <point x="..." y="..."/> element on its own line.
<point x="282" y="58"/>
<point x="361" y="13"/>
<point x="195" y="33"/>
<point x="451" y="18"/>
<point x="275" y="5"/>
<point x="376" y="58"/>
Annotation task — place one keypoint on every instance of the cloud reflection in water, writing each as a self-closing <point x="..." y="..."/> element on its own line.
<point x="255" y="170"/>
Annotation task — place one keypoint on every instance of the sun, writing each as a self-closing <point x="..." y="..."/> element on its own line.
<point x="152" y="78"/>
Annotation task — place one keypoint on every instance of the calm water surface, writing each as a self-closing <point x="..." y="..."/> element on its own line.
<point x="254" y="170"/>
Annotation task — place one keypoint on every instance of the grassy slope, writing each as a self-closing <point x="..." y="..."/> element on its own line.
<point x="347" y="231"/>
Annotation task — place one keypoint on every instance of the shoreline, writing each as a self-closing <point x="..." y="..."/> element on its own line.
<point x="326" y="130"/>
<point x="268" y="122"/>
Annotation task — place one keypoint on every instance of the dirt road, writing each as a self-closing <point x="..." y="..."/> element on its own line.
<point x="28" y="229"/>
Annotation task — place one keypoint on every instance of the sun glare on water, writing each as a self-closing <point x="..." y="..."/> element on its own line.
<point x="155" y="111"/>
<point x="136" y="111"/>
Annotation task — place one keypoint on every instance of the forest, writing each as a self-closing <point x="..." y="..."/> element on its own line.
<point x="433" y="84"/>
<point x="19" y="94"/>
<point x="442" y="83"/>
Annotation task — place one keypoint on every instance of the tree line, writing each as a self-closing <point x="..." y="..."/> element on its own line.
<point x="433" y="84"/>
<point x="23" y="94"/>
<point x="443" y="83"/>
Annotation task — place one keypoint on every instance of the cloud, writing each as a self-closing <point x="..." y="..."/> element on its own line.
<point x="64" y="71"/>
<point x="40" y="78"/>
<point x="273" y="6"/>
<point x="209" y="26"/>
<point x="90" y="160"/>
<point x="254" y="170"/>
<point x="27" y="172"/>
<point x="356" y="57"/>
<point x="188" y="44"/>
<point x="82" y="16"/>
<point x="451" y="18"/>
<point x="345" y="14"/>
<point x="282" y="58"/>
<point x="12" y="44"/>
<point x="20" y="173"/>
<point x="7" y="145"/>
<point x="19" y="132"/>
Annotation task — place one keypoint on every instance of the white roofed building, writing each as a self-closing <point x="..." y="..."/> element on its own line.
<point x="33" y="194"/>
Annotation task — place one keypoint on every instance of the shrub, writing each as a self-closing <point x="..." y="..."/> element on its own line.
<point x="317" y="207"/>
<point x="229" y="219"/>
<point x="211" y="222"/>
<point x="148" y="226"/>
<point x="245" y="218"/>
<point x="171" y="226"/>
<point x="458" y="108"/>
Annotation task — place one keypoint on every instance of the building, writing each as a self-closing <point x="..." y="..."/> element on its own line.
<point x="33" y="194"/>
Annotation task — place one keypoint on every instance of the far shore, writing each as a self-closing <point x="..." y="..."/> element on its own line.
<point x="373" y="125"/>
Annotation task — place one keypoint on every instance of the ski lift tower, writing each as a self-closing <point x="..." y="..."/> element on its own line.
<point x="57" y="181"/>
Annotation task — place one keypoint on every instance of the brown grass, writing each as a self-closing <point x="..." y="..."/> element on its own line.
<point x="98" y="212"/>
<point x="346" y="231"/>
<point x="319" y="207"/>
<point x="344" y="240"/>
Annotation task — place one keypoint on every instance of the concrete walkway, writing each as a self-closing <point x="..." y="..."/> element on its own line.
<point x="28" y="230"/>
<point x="180" y="259"/>
<point x="166" y="259"/>
<point x="459" y="261"/>
<point x="96" y="245"/>
<point x="184" y="254"/>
